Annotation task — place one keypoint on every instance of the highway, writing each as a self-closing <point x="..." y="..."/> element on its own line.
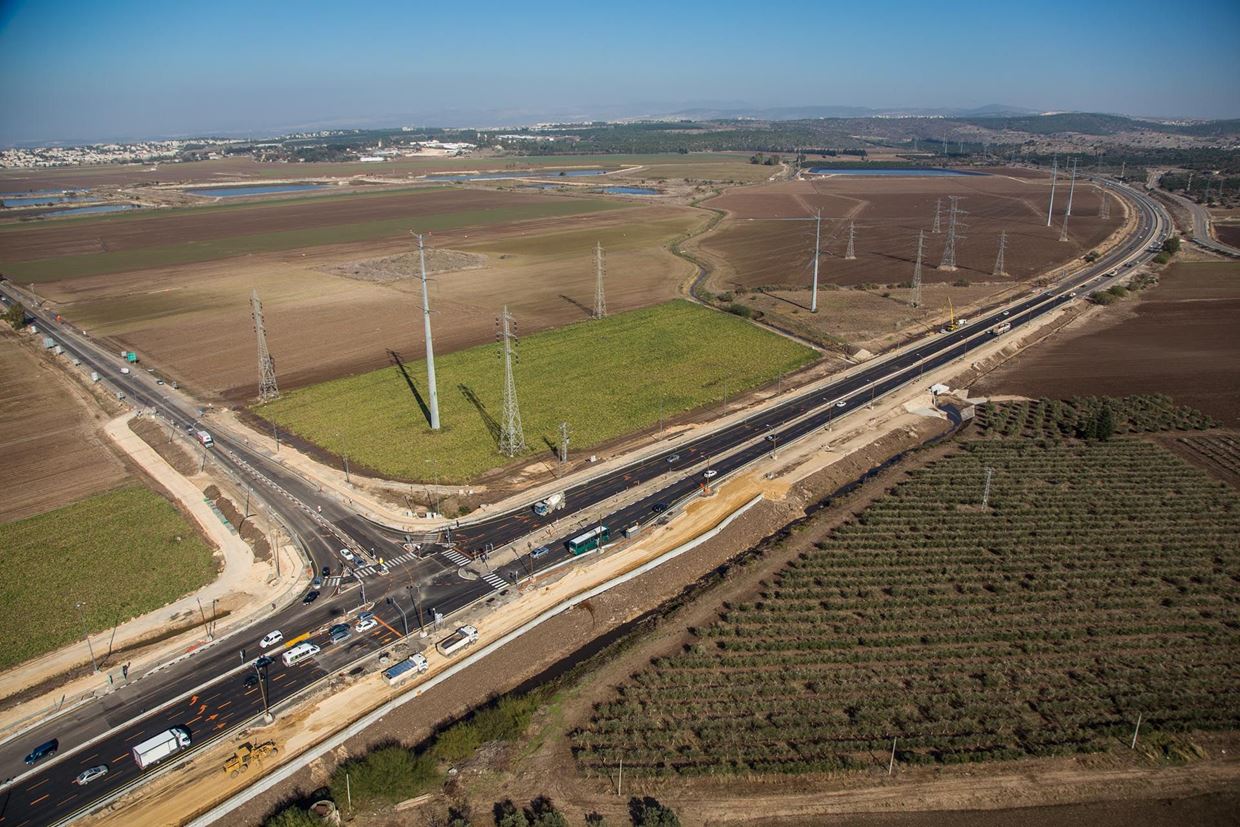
<point x="207" y="691"/>
<point x="1201" y="226"/>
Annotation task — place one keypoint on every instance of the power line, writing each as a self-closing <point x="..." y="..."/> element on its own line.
<point x="852" y="253"/>
<point x="1054" y="176"/>
<point x="949" y="249"/>
<point x="813" y="294"/>
<point x="937" y="226"/>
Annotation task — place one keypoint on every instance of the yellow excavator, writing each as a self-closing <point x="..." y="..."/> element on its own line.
<point x="247" y="753"/>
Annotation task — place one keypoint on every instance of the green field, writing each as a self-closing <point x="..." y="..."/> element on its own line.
<point x="605" y="379"/>
<point x="65" y="267"/>
<point x="121" y="554"/>
<point x="430" y="166"/>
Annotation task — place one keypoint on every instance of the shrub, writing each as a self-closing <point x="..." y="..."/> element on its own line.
<point x="385" y="776"/>
<point x="960" y="283"/>
<point x="740" y="310"/>
<point x="293" y="817"/>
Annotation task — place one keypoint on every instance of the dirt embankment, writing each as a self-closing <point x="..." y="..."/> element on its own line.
<point x="1178" y="338"/>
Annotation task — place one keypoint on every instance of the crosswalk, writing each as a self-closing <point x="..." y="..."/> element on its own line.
<point x="490" y="578"/>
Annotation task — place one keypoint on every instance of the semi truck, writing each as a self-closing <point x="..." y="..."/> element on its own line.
<point x="157" y="748"/>
<point x="458" y="640"/>
<point x="413" y="665"/>
<point x="553" y="503"/>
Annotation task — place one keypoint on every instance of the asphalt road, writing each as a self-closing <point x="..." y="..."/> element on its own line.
<point x="1201" y="227"/>
<point x="206" y="691"/>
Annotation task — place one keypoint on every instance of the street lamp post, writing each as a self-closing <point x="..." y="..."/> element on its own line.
<point x="262" y="687"/>
<point x="86" y="634"/>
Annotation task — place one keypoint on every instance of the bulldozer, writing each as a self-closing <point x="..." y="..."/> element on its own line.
<point x="247" y="752"/>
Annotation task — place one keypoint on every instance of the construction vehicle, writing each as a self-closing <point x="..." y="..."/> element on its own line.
<point x="1001" y="328"/>
<point x="245" y="754"/>
<point x="458" y="640"/>
<point x="952" y="324"/>
<point x="553" y="503"/>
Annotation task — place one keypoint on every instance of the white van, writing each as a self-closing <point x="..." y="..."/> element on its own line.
<point x="299" y="653"/>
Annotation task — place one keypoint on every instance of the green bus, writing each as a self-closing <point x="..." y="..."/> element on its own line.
<point x="592" y="539"/>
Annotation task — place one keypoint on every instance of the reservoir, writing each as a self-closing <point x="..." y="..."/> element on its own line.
<point x="261" y="189"/>
<point x="99" y="208"/>
<point x="41" y="199"/>
<point x="908" y="172"/>
<point x="630" y="191"/>
<point x="526" y="173"/>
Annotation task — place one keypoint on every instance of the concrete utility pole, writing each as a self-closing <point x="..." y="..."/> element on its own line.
<point x="511" y="438"/>
<point x="813" y="293"/>
<point x="600" y="299"/>
<point x="990" y="472"/>
<point x="267" y="388"/>
<point x="563" y="442"/>
<point x="1054" y="175"/>
<point x="1071" y="188"/>
<point x="999" y="271"/>
<point x="851" y="254"/>
<point x="433" y="391"/>
<point x="937" y="226"/>
<point x="921" y="240"/>
<point x="86" y="635"/>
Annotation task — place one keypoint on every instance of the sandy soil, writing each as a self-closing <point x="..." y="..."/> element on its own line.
<point x="751" y="251"/>
<point x="193" y="322"/>
<point x="1178" y="338"/>
<point x="53" y="452"/>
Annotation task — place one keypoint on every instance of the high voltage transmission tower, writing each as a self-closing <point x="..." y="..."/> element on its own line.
<point x="851" y="254"/>
<point x="916" y="299"/>
<point x="1104" y="209"/>
<point x="267" y="388"/>
<point x="511" y="437"/>
<point x="600" y="299"/>
<point x="1054" y="175"/>
<point x="432" y="388"/>
<point x="953" y="226"/>
<point x="937" y="226"/>
<point x="999" y="270"/>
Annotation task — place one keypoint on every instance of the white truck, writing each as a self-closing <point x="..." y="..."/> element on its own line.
<point x="157" y="748"/>
<point x="1000" y="329"/>
<point x="204" y="438"/>
<point x="458" y="640"/>
<point x="413" y="665"/>
<point x="553" y="503"/>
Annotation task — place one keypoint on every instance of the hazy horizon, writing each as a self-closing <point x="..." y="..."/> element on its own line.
<point x="133" y="69"/>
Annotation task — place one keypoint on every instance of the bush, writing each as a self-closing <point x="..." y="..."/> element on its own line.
<point x="1102" y="297"/>
<point x="293" y="817"/>
<point x="740" y="310"/>
<point x="1163" y="257"/>
<point x="1171" y="245"/>
<point x="960" y="283"/>
<point x="385" y="776"/>
<point x="648" y="812"/>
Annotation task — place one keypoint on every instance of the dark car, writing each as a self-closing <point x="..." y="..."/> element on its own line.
<point x="251" y="681"/>
<point x="659" y="508"/>
<point x="311" y="596"/>
<point x="327" y="571"/>
<point x="338" y="628"/>
<point x="44" y="750"/>
<point x="263" y="662"/>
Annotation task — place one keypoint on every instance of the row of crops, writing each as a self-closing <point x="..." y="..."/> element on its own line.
<point x="1078" y="417"/>
<point x="1098" y="583"/>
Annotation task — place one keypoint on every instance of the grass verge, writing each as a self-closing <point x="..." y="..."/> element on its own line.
<point x="119" y="554"/>
<point x="605" y="379"/>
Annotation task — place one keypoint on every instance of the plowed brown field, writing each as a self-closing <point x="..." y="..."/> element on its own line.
<point x="1178" y="338"/>
<point x="751" y="250"/>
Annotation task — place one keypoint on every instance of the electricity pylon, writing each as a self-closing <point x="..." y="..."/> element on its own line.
<point x="999" y="270"/>
<point x="921" y="240"/>
<point x="267" y="388"/>
<point x="600" y="298"/>
<point x="511" y="437"/>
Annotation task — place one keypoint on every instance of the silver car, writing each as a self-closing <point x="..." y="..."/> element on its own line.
<point x="87" y="776"/>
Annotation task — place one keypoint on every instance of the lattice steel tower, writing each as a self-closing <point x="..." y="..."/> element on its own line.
<point x="852" y="250"/>
<point x="432" y="388"/>
<point x="813" y="293"/>
<point x="267" y="387"/>
<point x="1104" y="209"/>
<point x="999" y="270"/>
<point x="1071" y="188"/>
<point x="921" y="240"/>
<point x="600" y="299"/>
<point x="953" y="235"/>
<point x="937" y="226"/>
<point x="511" y="437"/>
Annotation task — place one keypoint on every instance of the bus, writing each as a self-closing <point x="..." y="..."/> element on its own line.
<point x="592" y="539"/>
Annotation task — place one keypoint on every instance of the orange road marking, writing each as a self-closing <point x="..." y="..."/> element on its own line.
<point x="213" y="716"/>
<point x="280" y="676"/>
<point x="221" y="725"/>
<point x="41" y="783"/>
<point x="193" y="720"/>
<point x="41" y="798"/>
<point x="226" y="703"/>
<point x="120" y="757"/>
<point x="193" y="700"/>
<point x="384" y="623"/>
<point x="202" y="709"/>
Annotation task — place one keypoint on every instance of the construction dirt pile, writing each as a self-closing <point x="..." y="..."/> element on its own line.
<point x="407" y="265"/>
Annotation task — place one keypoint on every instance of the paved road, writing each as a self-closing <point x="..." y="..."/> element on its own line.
<point x="215" y="677"/>
<point x="1201" y="226"/>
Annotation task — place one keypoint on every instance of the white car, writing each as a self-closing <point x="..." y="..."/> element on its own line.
<point x="710" y="473"/>
<point x="271" y="639"/>
<point x="348" y="555"/>
<point x="841" y="404"/>
<point x="365" y="625"/>
<point x="87" y="776"/>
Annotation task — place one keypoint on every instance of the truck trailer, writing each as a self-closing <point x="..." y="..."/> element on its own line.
<point x="458" y="640"/>
<point x="157" y="748"/>
<point x="413" y="665"/>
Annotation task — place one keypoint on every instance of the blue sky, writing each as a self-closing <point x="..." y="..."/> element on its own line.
<point x="71" y="69"/>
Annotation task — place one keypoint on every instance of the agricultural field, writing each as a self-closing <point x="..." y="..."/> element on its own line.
<point x="1177" y="338"/>
<point x="1057" y="419"/>
<point x="120" y="554"/>
<point x="192" y="321"/>
<point x="605" y="379"/>
<point x="1095" y="586"/>
<point x="53" y="452"/>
